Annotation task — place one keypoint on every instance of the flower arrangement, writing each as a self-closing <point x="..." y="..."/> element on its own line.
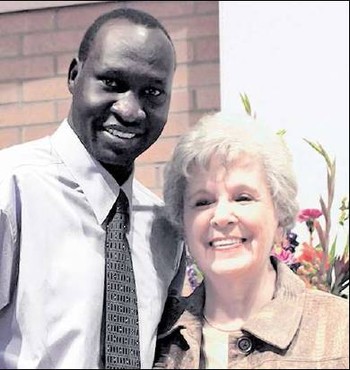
<point x="315" y="260"/>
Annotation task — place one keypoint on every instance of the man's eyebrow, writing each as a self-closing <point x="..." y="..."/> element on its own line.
<point x="113" y="72"/>
<point x="124" y="74"/>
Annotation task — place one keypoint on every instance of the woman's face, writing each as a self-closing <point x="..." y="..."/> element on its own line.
<point x="229" y="218"/>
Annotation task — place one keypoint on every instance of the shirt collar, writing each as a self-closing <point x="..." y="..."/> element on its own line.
<point x="99" y="187"/>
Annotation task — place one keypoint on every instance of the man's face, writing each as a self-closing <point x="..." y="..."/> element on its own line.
<point x="121" y="93"/>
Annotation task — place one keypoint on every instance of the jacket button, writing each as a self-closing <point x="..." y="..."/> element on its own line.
<point x="244" y="344"/>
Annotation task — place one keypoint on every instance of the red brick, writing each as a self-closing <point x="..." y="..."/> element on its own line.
<point x="81" y="16"/>
<point x="146" y="175"/>
<point x="196" y="75"/>
<point x="160" y="151"/>
<point x="22" y="22"/>
<point x="63" y="62"/>
<point x="9" y="137"/>
<point x="203" y="74"/>
<point x="63" y="109"/>
<point x="49" y="89"/>
<point x="26" y="114"/>
<point x="208" y="97"/>
<point x="37" y="132"/>
<point x="195" y="116"/>
<point x="9" y="93"/>
<point x="181" y="77"/>
<point x="206" y="7"/>
<point x="52" y="42"/>
<point x="151" y="175"/>
<point x="161" y="169"/>
<point x="207" y="49"/>
<point x="181" y="100"/>
<point x="56" y="34"/>
<point x="178" y="123"/>
<point x="10" y="46"/>
<point x="184" y="51"/>
<point x="24" y="68"/>
<point x="200" y="26"/>
<point x="166" y="9"/>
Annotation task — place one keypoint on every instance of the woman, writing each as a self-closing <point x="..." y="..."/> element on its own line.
<point x="230" y="189"/>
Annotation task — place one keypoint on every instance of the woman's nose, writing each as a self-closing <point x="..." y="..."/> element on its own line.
<point x="128" y="108"/>
<point x="223" y="214"/>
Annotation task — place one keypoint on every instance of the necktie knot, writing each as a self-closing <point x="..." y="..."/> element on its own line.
<point x="122" y="203"/>
<point x="118" y="217"/>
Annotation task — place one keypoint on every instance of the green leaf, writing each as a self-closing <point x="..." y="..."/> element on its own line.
<point x="246" y="103"/>
<point x="324" y="209"/>
<point x="319" y="148"/>
<point x="332" y="250"/>
<point x="346" y="248"/>
<point x="281" y="132"/>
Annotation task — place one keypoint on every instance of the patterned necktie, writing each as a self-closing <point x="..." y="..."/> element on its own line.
<point x="121" y="317"/>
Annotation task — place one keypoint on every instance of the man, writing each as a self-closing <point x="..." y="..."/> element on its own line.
<point x="56" y="194"/>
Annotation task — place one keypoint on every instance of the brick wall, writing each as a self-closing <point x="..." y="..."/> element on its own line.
<point x="37" y="46"/>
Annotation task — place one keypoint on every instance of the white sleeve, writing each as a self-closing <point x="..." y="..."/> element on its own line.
<point x="9" y="248"/>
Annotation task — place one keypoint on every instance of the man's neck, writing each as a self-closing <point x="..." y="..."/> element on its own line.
<point x="119" y="173"/>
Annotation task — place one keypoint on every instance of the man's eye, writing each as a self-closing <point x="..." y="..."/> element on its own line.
<point x="152" y="91"/>
<point x="109" y="82"/>
<point x="115" y="84"/>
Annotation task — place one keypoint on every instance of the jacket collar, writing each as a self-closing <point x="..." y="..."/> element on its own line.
<point x="276" y="323"/>
<point x="185" y="314"/>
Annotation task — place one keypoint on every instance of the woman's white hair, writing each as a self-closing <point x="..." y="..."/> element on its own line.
<point x="230" y="137"/>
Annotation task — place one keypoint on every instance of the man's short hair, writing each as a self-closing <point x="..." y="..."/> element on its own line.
<point x="133" y="15"/>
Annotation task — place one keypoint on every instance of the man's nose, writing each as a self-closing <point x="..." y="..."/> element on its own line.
<point x="223" y="214"/>
<point x="128" y="108"/>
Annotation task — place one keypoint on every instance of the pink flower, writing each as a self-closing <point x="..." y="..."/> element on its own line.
<point x="309" y="214"/>
<point x="284" y="255"/>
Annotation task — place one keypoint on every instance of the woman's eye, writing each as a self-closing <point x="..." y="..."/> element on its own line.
<point x="243" y="198"/>
<point x="202" y="203"/>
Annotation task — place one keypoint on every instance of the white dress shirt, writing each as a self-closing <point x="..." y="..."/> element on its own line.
<point x="54" y="199"/>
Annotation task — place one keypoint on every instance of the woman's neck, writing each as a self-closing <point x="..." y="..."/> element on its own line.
<point x="231" y="300"/>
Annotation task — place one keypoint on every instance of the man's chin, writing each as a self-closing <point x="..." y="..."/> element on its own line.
<point x="120" y="172"/>
<point x="112" y="158"/>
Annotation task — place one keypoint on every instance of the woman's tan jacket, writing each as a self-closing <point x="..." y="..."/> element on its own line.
<point x="299" y="329"/>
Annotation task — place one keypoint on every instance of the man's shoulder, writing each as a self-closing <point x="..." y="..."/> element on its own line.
<point x="25" y="156"/>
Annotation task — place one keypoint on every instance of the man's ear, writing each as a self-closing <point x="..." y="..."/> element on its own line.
<point x="73" y="72"/>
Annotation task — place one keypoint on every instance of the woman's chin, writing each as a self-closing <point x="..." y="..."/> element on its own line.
<point x="235" y="266"/>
